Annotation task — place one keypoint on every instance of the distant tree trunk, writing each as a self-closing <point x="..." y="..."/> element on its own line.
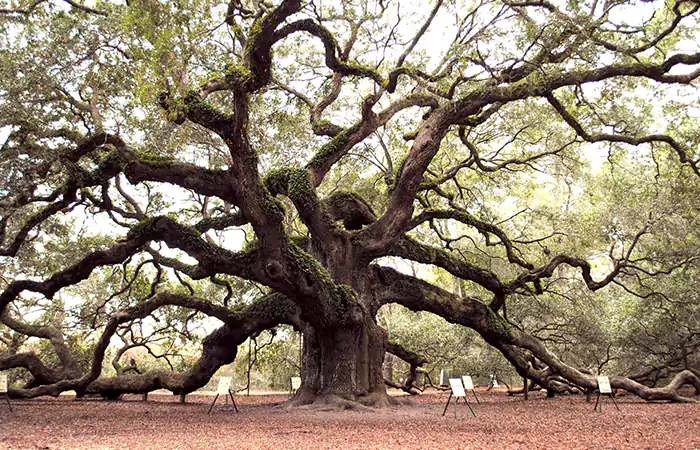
<point x="389" y="366"/>
<point x="250" y="365"/>
<point x="526" y="386"/>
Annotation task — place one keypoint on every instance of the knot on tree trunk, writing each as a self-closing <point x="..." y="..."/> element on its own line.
<point x="273" y="269"/>
<point x="349" y="208"/>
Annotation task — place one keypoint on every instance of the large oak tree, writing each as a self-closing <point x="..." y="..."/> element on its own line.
<point x="336" y="136"/>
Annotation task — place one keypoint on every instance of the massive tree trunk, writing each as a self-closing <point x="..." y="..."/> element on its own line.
<point x="343" y="364"/>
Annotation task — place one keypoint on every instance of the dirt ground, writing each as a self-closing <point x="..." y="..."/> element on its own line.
<point x="501" y="422"/>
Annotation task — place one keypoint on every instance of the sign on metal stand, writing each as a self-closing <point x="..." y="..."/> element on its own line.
<point x="604" y="389"/>
<point x="224" y="389"/>
<point x="296" y="384"/>
<point x="457" y="391"/>
<point x="3" y="390"/>
<point x="469" y="386"/>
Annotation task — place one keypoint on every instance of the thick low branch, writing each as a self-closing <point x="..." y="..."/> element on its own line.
<point x="31" y="362"/>
<point x="418" y="295"/>
<point x="219" y="348"/>
<point x="48" y="332"/>
<point x="405" y="354"/>
<point x="212" y="259"/>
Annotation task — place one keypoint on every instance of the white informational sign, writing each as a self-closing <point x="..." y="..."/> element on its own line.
<point x="457" y="387"/>
<point x="3" y="384"/>
<point x="442" y="377"/>
<point x="224" y="385"/>
<point x="468" y="383"/>
<point x="604" y="385"/>
<point x="296" y="383"/>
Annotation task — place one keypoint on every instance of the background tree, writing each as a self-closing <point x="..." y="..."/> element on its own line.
<point x="263" y="164"/>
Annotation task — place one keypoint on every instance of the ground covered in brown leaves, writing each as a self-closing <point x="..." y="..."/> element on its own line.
<point x="502" y="422"/>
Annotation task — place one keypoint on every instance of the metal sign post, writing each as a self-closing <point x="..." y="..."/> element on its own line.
<point x="3" y="390"/>
<point x="224" y="389"/>
<point x="604" y="389"/>
<point x="457" y="392"/>
<point x="469" y="386"/>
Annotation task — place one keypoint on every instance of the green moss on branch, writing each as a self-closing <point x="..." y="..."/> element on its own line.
<point x="293" y="182"/>
<point x="333" y="148"/>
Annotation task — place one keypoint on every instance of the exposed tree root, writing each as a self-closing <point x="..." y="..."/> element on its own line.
<point x="406" y="387"/>
<point x="330" y="402"/>
<point x="325" y="403"/>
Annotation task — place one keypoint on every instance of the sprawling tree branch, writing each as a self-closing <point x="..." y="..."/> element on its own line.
<point x="219" y="347"/>
<point x="418" y="295"/>
<point x="412" y="250"/>
<point x="27" y="11"/>
<point x="680" y="149"/>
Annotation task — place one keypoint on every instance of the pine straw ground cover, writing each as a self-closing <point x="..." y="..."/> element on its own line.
<point x="502" y="422"/>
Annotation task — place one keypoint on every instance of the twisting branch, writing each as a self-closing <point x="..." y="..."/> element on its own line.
<point x="212" y="259"/>
<point x="48" y="332"/>
<point x="27" y="11"/>
<point x="417" y="295"/>
<point x="331" y="50"/>
<point x="219" y="347"/>
<point x="483" y="227"/>
<point x="680" y="149"/>
<point x="413" y="359"/>
<point x="412" y="250"/>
